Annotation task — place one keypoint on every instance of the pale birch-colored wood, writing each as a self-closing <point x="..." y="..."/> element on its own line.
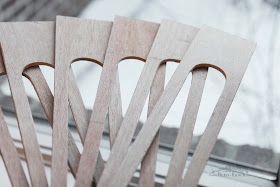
<point x="81" y="118"/>
<point x="148" y="165"/>
<point x="79" y="111"/>
<point x="45" y="96"/>
<point x="75" y="39"/>
<point x="171" y="43"/>
<point x="115" y="107"/>
<point x="211" y="48"/>
<point x="183" y="140"/>
<point x="130" y="38"/>
<point x="115" y="110"/>
<point x="8" y="150"/>
<point x="25" y="44"/>
<point x="10" y="156"/>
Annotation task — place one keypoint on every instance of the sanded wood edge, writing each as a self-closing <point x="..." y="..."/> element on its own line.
<point x="115" y="110"/>
<point x="185" y="133"/>
<point x="45" y="96"/>
<point x="148" y="165"/>
<point x="100" y="109"/>
<point x="227" y="64"/>
<point x="166" y="46"/>
<point x="27" y="131"/>
<point x="209" y="137"/>
<point x="10" y="156"/>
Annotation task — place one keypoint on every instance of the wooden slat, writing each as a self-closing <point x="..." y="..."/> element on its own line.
<point x="8" y="150"/>
<point x="223" y="51"/>
<point x="183" y="140"/>
<point x="78" y="109"/>
<point x="130" y="38"/>
<point x="148" y="165"/>
<point x="23" y="45"/>
<point x="81" y="118"/>
<point x="171" y="43"/>
<point x="115" y="110"/>
<point x="75" y="39"/>
<point x="10" y="156"/>
<point x="45" y="96"/>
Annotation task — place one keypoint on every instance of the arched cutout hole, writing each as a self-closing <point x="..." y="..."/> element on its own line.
<point x="87" y="60"/>
<point x="37" y="64"/>
<point x="87" y="75"/>
<point x="213" y="88"/>
<point x="129" y="74"/>
<point x="40" y="117"/>
<point x="42" y="125"/>
<point x="172" y="121"/>
<point x="211" y="66"/>
<point x="48" y="73"/>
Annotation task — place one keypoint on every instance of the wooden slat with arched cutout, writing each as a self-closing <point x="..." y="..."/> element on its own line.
<point x="72" y="35"/>
<point x="171" y="43"/>
<point x="211" y="47"/>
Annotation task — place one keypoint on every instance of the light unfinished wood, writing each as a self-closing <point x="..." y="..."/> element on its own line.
<point x="148" y="164"/>
<point x="45" y="96"/>
<point x="8" y="150"/>
<point x="16" y="41"/>
<point x="211" y="48"/>
<point x="80" y="115"/>
<point x="14" y="168"/>
<point x="75" y="40"/>
<point x="183" y="140"/>
<point x="171" y="43"/>
<point x="34" y="74"/>
<point x="10" y="156"/>
<point x="115" y="107"/>
<point x="130" y="38"/>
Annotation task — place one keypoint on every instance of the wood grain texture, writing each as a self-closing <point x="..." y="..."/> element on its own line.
<point x="81" y="118"/>
<point x="148" y="165"/>
<point x="72" y="35"/>
<point x="171" y="43"/>
<point x="185" y="133"/>
<point x="8" y="150"/>
<point x="26" y="44"/>
<point x="223" y="51"/>
<point x="130" y="38"/>
<point x="45" y="96"/>
<point x="115" y="110"/>
<point x="10" y="156"/>
<point x="36" y="77"/>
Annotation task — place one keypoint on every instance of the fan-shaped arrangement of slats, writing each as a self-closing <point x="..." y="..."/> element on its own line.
<point x="25" y="45"/>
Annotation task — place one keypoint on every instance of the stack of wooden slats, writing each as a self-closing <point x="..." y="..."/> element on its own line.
<point x="26" y="45"/>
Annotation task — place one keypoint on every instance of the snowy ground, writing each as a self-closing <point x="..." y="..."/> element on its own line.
<point x="255" y="114"/>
